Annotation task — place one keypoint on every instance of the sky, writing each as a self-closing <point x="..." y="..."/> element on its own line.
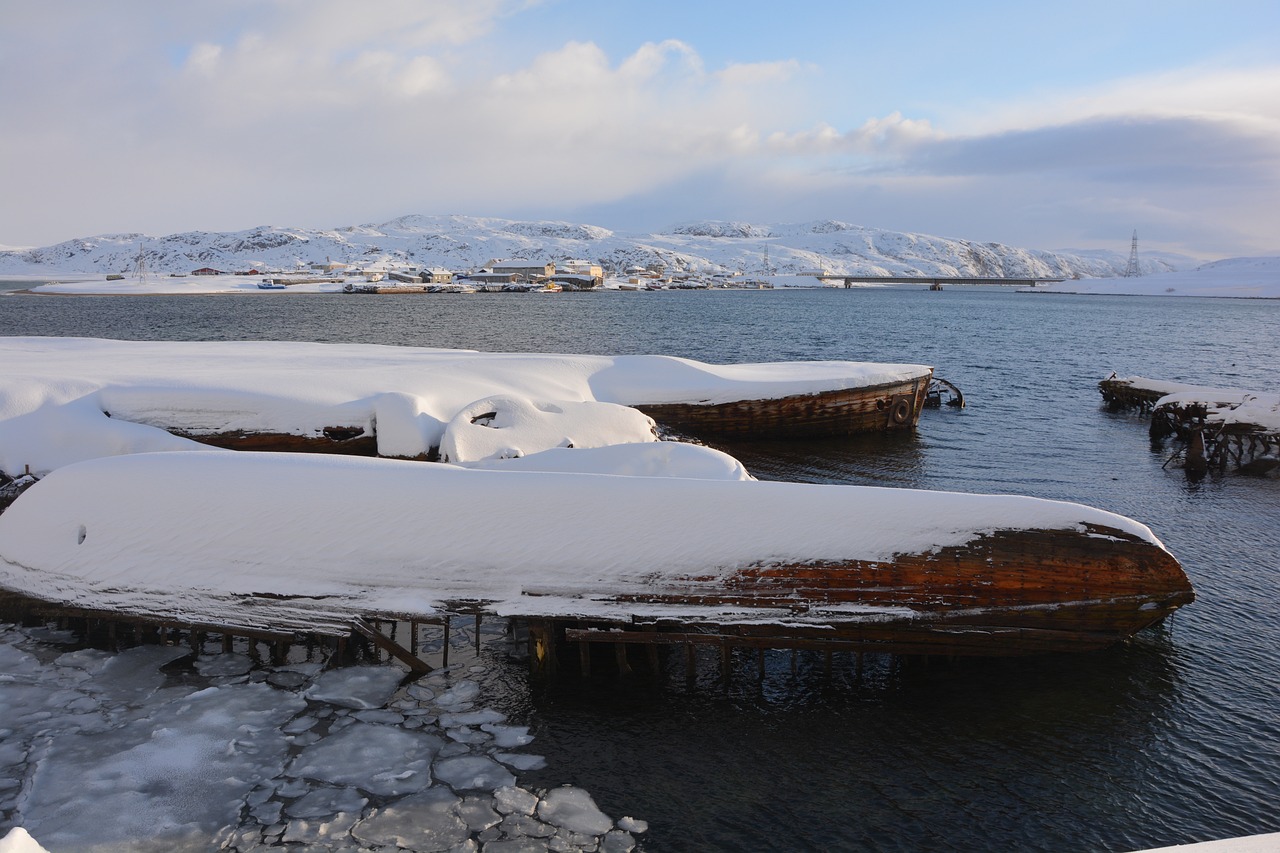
<point x="1050" y="126"/>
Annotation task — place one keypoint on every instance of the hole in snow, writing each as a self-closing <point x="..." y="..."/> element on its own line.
<point x="486" y="419"/>
<point x="80" y="536"/>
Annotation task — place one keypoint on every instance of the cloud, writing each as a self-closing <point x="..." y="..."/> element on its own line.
<point x="323" y="112"/>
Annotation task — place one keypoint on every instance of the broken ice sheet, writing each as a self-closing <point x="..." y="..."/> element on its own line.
<point x="573" y="809"/>
<point x="425" y="821"/>
<point x="357" y="687"/>
<point x="168" y="780"/>
<point x="470" y="772"/>
<point x="379" y="759"/>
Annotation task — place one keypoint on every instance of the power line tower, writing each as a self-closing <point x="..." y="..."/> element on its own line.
<point x="1132" y="270"/>
<point x="141" y="272"/>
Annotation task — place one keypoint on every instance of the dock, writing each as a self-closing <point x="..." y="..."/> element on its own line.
<point x="939" y="282"/>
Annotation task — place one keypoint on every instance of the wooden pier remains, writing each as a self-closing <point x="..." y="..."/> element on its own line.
<point x="1214" y="426"/>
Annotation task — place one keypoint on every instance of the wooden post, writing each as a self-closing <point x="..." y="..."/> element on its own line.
<point x="620" y="651"/>
<point x="226" y="643"/>
<point x="542" y="656"/>
<point x="584" y="656"/>
<point x="447" y="622"/>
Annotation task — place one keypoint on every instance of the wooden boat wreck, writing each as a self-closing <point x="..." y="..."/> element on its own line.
<point x="285" y="542"/>
<point x="1218" y="428"/>
<point x="844" y="411"/>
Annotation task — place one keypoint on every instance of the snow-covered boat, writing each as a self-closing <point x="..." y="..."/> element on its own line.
<point x="253" y="541"/>
<point x="270" y="284"/>
<point x="874" y="407"/>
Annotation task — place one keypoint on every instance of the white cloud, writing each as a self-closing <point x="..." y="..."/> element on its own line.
<point x="226" y="114"/>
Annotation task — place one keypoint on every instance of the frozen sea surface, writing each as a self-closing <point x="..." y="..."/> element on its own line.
<point x="148" y="750"/>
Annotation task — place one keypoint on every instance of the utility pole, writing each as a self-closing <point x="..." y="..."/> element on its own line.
<point x="1132" y="270"/>
<point x="142" y="266"/>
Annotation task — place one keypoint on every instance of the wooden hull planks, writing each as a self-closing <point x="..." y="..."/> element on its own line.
<point x="874" y="408"/>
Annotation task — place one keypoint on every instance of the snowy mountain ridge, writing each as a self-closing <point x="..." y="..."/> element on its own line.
<point x="463" y="243"/>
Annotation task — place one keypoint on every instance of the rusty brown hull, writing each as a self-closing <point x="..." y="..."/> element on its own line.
<point x="1008" y="593"/>
<point x="873" y="408"/>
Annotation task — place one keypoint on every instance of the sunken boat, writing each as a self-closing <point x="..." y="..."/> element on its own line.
<point x="290" y="542"/>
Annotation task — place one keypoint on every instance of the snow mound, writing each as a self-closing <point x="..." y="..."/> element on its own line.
<point x="511" y="427"/>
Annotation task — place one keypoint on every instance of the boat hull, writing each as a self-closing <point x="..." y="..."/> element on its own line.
<point x="869" y="409"/>
<point x="1012" y="592"/>
<point x="283" y="542"/>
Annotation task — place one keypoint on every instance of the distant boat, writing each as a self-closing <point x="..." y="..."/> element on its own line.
<point x="270" y="284"/>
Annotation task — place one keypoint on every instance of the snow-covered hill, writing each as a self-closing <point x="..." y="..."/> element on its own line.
<point x="462" y="243"/>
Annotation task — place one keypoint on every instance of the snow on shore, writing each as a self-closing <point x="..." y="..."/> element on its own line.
<point x="56" y="393"/>
<point x="1257" y="278"/>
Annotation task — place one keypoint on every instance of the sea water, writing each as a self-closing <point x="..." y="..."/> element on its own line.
<point x="1171" y="738"/>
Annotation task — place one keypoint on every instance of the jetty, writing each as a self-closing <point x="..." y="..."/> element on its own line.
<point x="938" y="282"/>
<point x="1218" y="429"/>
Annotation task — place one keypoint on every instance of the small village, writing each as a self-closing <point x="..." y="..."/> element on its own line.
<point x="502" y="276"/>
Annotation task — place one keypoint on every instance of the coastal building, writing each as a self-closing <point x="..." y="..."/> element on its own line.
<point x="524" y="270"/>
<point x="436" y="275"/>
<point x="582" y="275"/>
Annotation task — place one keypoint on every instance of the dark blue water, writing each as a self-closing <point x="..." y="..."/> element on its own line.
<point x="1172" y="738"/>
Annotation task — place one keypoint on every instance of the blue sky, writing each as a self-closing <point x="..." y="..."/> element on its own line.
<point x="1039" y="125"/>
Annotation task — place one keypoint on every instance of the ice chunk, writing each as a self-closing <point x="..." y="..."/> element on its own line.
<point x="573" y="809"/>
<point x="519" y="761"/>
<point x="358" y="687"/>
<point x="633" y="825"/>
<point x="478" y="812"/>
<point x="524" y="826"/>
<point x="518" y="845"/>
<point x="426" y="821"/>
<point x="14" y="661"/>
<point x="326" y="801"/>
<point x="420" y="692"/>
<point x="383" y="717"/>
<point x="463" y="691"/>
<point x="300" y="724"/>
<point x="287" y="679"/>
<point x="467" y="772"/>
<point x="514" y="800"/>
<point x="315" y="832"/>
<point x="617" y="841"/>
<point x="88" y="660"/>
<point x="224" y="665"/>
<point x="508" y="737"/>
<point x="471" y="718"/>
<point x="378" y="759"/>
